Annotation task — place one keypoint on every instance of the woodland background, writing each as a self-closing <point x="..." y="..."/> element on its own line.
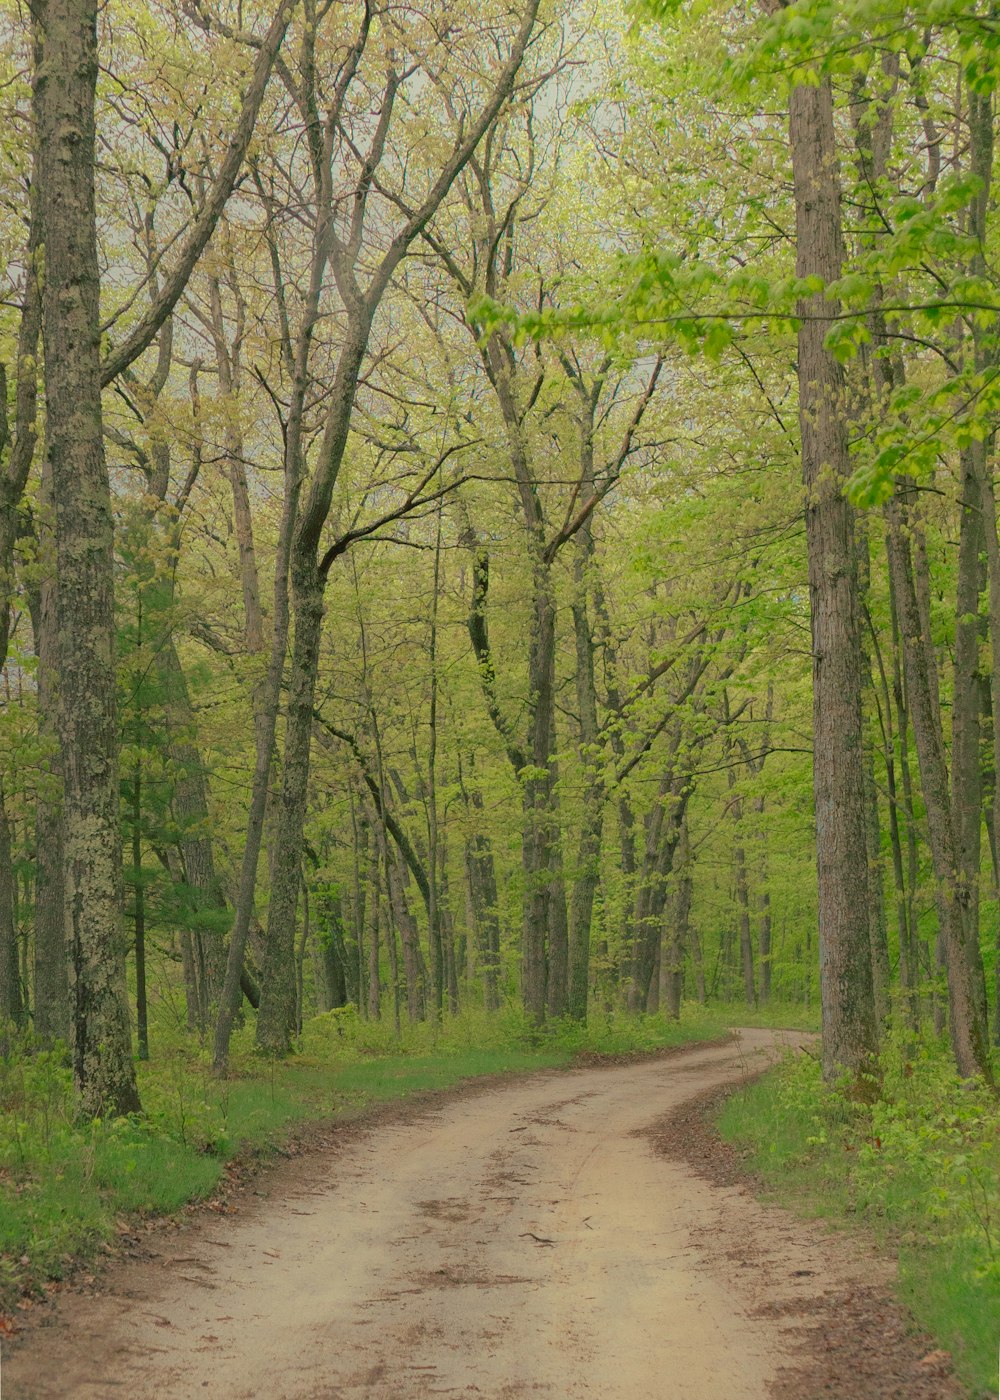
<point x="425" y="615"/>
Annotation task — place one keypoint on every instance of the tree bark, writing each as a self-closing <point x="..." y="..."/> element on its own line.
<point x="51" y="970"/>
<point x="677" y="932"/>
<point x="12" y="1008"/>
<point x="64" y="93"/>
<point x="850" y="1039"/>
<point x="968" y="1032"/>
<point x="481" y="876"/>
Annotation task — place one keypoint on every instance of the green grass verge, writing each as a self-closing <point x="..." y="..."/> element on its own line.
<point x="64" y="1187"/>
<point x="920" y="1169"/>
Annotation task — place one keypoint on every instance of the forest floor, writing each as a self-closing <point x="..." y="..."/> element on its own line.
<point x="576" y="1233"/>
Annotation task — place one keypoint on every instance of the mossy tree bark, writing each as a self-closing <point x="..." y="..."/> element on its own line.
<point x="64" y="92"/>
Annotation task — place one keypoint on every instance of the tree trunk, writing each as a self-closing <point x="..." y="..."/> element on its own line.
<point x="662" y="835"/>
<point x="968" y="1032"/>
<point x="481" y="876"/>
<point x="139" y="917"/>
<point x="276" y="1017"/>
<point x="12" y="1011"/>
<point x="51" y="971"/>
<point x="64" y="89"/>
<point x="374" y="905"/>
<point x="993" y="574"/>
<point x="850" y="1038"/>
<point x="592" y="823"/>
<point x="677" y="935"/>
<point x="966" y="766"/>
<point x="192" y="812"/>
<point x="742" y="897"/>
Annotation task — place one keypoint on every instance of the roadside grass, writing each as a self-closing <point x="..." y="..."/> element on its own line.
<point x="919" y="1169"/>
<point x="66" y="1188"/>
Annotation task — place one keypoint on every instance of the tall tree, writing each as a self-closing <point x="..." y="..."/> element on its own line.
<point x="65" y="81"/>
<point x="850" y="1039"/>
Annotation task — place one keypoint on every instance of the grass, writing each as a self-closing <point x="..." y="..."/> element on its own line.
<point x="919" y="1169"/>
<point x="65" y="1187"/>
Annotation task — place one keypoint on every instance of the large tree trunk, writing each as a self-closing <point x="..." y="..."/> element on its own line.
<point x="64" y="92"/>
<point x="850" y="1038"/>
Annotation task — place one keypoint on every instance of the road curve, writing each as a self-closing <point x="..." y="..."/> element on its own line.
<point x="523" y="1242"/>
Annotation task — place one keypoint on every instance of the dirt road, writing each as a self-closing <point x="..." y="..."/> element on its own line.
<point x="526" y="1241"/>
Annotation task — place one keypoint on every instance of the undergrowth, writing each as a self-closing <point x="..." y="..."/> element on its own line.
<point x="66" y="1186"/>
<point x="920" y="1168"/>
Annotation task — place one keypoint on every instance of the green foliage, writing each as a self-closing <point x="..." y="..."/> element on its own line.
<point x="918" y="1167"/>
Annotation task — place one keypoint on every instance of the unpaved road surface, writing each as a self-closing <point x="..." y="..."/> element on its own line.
<point x="525" y="1241"/>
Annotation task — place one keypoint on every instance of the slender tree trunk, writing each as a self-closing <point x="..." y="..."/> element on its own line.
<point x="890" y="708"/>
<point x="481" y="876"/>
<point x="877" y="927"/>
<point x="540" y="963"/>
<point x="763" y="903"/>
<point x="592" y="823"/>
<point x="374" y="904"/>
<point x="438" y="970"/>
<point x="51" y="971"/>
<point x="276" y="1017"/>
<point x="359" y="895"/>
<point x="139" y="918"/>
<point x="64" y="90"/>
<point x="12" y="1011"/>
<point x="662" y="835"/>
<point x="742" y="897"/>
<point x="966" y="767"/>
<point x="191" y="808"/>
<point x="993" y="574"/>
<point x="698" y="957"/>
<point x="968" y="1031"/>
<point x="678" y="934"/>
<point x="850" y="1038"/>
<point x="16" y="453"/>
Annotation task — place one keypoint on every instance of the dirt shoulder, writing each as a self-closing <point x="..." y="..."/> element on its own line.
<point x="853" y="1340"/>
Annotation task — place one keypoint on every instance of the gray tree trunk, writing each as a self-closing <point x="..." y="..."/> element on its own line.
<point x="64" y="91"/>
<point x="968" y="1030"/>
<point x="850" y="1039"/>
<point x="51" y="971"/>
<point x="12" y="1008"/>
